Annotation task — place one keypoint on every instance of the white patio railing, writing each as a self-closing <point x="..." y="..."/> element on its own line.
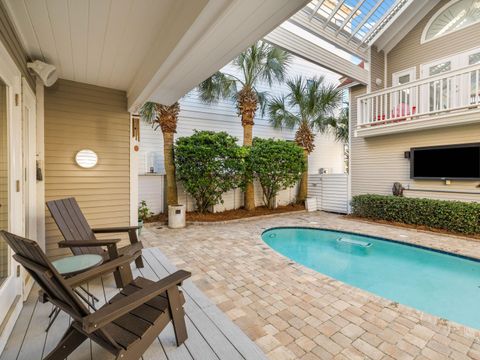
<point x="451" y="91"/>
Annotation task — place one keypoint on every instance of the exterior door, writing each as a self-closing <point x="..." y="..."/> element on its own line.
<point x="4" y="188"/>
<point x="470" y="83"/>
<point x="459" y="91"/>
<point x="442" y="94"/>
<point x="29" y="176"/>
<point x="10" y="289"/>
<point x="404" y="101"/>
<point x="11" y="187"/>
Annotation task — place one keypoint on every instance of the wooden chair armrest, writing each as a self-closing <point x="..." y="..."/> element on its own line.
<point x="115" y="229"/>
<point x="87" y="243"/>
<point x="105" y="268"/>
<point x="132" y="232"/>
<point x="110" y="312"/>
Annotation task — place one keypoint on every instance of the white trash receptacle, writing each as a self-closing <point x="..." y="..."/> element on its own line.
<point x="176" y="216"/>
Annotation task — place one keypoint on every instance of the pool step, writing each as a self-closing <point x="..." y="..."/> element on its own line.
<point x="354" y="242"/>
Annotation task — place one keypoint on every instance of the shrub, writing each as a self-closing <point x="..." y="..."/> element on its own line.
<point x="143" y="211"/>
<point x="277" y="164"/>
<point x="461" y="217"/>
<point x="208" y="164"/>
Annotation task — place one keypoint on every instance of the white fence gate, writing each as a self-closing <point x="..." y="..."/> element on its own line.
<point x="330" y="190"/>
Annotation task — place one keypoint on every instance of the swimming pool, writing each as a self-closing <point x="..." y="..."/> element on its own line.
<point x="435" y="282"/>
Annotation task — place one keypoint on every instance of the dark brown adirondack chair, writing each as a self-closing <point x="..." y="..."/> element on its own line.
<point x="81" y="239"/>
<point x="126" y="326"/>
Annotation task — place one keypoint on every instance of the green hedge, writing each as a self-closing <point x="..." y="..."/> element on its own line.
<point x="461" y="217"/>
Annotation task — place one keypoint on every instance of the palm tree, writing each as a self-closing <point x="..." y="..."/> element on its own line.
<point x="341" y="131"/>
<point x="261" y="62"/>
<point x="340" y="125"/>
<point x="165" y="117"/>
<point x="309" y="105"/>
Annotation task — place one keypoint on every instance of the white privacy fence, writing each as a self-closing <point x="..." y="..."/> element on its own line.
<point x="151" y="188"/>
<point x="330" y="191"/>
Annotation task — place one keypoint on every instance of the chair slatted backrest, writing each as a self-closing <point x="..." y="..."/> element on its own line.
<point x="72" y="224"/>
<point x="34" y="260"/>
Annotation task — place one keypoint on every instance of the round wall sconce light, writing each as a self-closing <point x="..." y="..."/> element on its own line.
<point x="86" y="158"/>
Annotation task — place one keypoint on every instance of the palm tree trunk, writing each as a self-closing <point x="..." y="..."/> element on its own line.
<point x="249" y="200"/>
<point x="169" y="168"/>
<point x="303" y="186"/>
<point x="247" y="104"/>
<point x="304" y="137"/>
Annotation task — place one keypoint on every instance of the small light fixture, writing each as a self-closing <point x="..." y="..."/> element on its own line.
<point x="86" y="158"/>
<point x="407" y="154"/>
<point x="46" y="72"/>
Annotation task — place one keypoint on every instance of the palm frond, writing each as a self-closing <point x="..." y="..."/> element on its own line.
<point x="216" y="87"/>
<point x="149" y="113"/>
<point x="275" y="65"/>
<point x="340" y="126"/>
<point x="262" y="61"/>
<point x="262" y="98"/>
<point x="279" y="115"/>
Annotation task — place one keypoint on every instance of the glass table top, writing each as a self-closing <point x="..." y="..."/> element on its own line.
<point x="77" y="263"/>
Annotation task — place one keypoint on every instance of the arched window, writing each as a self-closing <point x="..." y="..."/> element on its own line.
<point x="455" y="15"/>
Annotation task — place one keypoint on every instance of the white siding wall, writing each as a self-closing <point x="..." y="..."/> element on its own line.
<point x="151" y="189"/>
<point x="195" y="115"/>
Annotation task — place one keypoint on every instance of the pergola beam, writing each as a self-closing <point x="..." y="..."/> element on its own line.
<point x="365" y="19"/>
<point x="352" y="13"/>
<point x="309" y="51"/>
<point x="314" y="27"/>
<point x="334" y="11"/>
<point x="317" y="7"/>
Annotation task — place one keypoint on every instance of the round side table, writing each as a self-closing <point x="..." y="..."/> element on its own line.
<point x="70" y="266"/>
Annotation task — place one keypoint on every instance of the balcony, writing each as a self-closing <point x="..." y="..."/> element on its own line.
<point x="447" y="99"/>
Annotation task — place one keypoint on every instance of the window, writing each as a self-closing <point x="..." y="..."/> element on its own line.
<point x="454" y="16"/>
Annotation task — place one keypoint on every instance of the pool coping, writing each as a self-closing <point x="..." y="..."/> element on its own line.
<point x="447" y="322"/>
<point x="466" y="257"/>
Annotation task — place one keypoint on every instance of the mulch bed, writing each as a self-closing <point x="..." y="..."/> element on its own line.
<point x="416" y="227"/>
<point x="230" y="214"/>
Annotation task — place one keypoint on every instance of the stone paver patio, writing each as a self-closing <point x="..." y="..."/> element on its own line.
<point x="293" y="312"/>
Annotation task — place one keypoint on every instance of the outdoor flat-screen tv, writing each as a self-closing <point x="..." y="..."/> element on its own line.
<point x="456" y="162"/>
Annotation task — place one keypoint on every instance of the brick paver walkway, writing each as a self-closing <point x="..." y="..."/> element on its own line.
<point x="293" y="312"/>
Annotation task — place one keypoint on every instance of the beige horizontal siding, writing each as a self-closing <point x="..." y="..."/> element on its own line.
<point x="377" y="162"/>
<point x="377" y="69"/>
<point x="410" y="52"/>
<point x="80" y="116"/>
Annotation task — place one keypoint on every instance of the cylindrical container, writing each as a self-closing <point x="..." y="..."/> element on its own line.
<point x="176" y="216"/>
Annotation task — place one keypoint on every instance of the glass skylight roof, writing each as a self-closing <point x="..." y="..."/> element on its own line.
<point x="357" y="21"/>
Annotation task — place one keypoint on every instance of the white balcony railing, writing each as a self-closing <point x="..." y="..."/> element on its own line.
<point x="453" y="91"/>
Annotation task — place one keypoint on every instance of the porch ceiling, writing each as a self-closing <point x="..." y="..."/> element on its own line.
<point x="154" y="50"/>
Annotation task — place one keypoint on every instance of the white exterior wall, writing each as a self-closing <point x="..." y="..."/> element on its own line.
<point x="195" y="115"/>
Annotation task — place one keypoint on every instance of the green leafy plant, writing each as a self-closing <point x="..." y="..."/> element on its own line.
<point x="261" y="62"/>
<point x="143" y="211"/>
<point x="277" y="164"/>
<point x="208" y="164"/>
<point x="456" y="216"/>
<point x="309" y="106"/>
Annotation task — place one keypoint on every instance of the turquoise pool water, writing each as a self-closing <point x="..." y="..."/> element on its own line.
<point x="441" y="284"/>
